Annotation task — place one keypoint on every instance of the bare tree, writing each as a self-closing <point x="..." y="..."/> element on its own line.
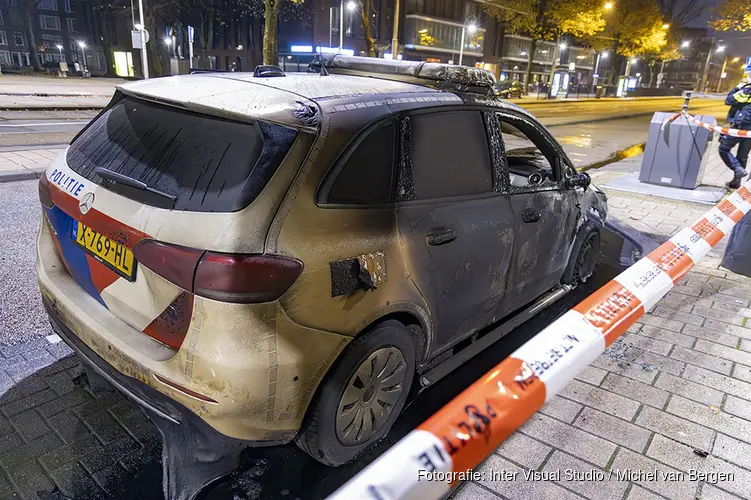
<point x="27" y="8"/>
<point x="681" y="12"/>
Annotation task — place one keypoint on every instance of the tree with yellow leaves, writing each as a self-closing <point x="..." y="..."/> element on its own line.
<point x="731" y="15"/>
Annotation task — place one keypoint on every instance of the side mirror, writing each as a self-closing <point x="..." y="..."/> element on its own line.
<point x="580" y="179"/>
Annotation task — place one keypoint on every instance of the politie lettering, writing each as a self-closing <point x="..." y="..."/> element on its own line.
<point x="66" y="182"/>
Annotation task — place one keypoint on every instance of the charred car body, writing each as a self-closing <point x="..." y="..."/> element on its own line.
<point x="275" y="257"/>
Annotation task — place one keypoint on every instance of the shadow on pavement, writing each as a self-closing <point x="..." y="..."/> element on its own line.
<point x="59" y="439"/>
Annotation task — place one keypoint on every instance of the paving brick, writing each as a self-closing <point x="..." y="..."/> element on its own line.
<point x="635" y="463"/>
<point x="719" y="326"/>
<point x="6" y="489"/>
<point x="112" y="480"/>
<point x="28" y="402"/>
<point x="520" y="488"/>
<point x="613" y="429"/>
<point x="65" y="454"/>
<point x="678" y="302"/>
<point x="716" y="381"/>
<point x="724" y="316"/>
<point x="740" y="482"/>
<point x="30" y="425"/>
<point x="74" y="398"/>
<point x="668" y="336"/>
<point x="690" y="390"/>
<point x="562" y="409"/>
<point x="61" y="364"/>
<point x="732" y="450"/>
<point x="524" y="450"/>
<point x="676" y="428"/>
<point x="14" y="350"/>
<point x="632" y="369"/>
<point x="60" y="382"/>
<point x="572" y="472"/>
<point x="727" y="299"/>
<point x="124" y="410"/>
<point x="601" y="399"/>
<point x="703" y="332"/>
<point x="724" y="352"/>
<point x="102" y="403"/>
<point x="592" y="375"/>
<point x="668" y="324"/>
<point x="709" y="492"/>
<point x="68" y="426"/>
<point x="5" y="427"/>
<point x="473" y="491"/>
<point x="682" y="316"/>
<point x="60" y="350"/>
<point x="30" y="451"/>
<point x="31" y="479"/>
<point x="74" y="481"/>
<point x="675" y="454"/>
<point x="704" y="360"/>
<point x="571" y="439"/>
<point x="639" y="493"/>
<point x="742" y="372"/>
<point x="738" y="407"/>
<point x="114" y="452"/>
<point x="709" y="417"/>
<point x="635" y="390"/>
<point x="105" y="427"/>
<point x="745" y="345"/>
<point x="31" y="384"/>
<point x="647" y="344"/>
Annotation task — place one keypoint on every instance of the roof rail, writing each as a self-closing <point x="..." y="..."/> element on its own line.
<point x="198" y="71"/>
<point x="268" y="71"/>
<point x="444" y="76"/>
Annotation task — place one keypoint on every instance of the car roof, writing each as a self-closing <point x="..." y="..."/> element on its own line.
<point x="242" y="96"/>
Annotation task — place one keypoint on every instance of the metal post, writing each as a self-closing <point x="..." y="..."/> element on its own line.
<point x="395" y="34"/>
<point x="597" y="68"/>
<point x="719" y="80"/>
<point x="628" y="68"/>
<point x="461" y="47"/>
<point x="700" y="83"/>
<point x="83" y="54"/>
<point x="144" y="57"/>
<point x="662" y="74"/>
<point x="331" y="25"/>
<point x="190" y="53"/>
<point x="341" y="25"/>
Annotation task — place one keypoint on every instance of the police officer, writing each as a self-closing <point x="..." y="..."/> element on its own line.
<point x="739" y="116"/>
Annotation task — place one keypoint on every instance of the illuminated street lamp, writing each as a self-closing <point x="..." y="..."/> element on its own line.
<point x="685" y="44"/>
<point x="608" y="6"/>
<point x="700" y="84"/>
<point x="736" y="59"/>
<point x="665" y="26"/>
<point x="563" y="45"/>
<point x="351" y="6"/>
<point x="595" y="75"/>
<point x="60" y="48"/>
<point x="82" y="44"/>
<point x="471" y="27"/>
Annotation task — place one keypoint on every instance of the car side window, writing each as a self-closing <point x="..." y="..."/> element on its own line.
<point x="450" y="155"/>
<point x="530" y="161"/>
<point x="367" y="173"/>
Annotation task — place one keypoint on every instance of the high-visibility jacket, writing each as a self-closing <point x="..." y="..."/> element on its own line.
<point x="739" y="100"/>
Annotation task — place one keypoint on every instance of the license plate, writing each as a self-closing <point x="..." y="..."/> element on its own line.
<point x="107" y="251"/>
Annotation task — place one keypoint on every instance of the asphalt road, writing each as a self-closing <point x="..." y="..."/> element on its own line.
<point x="590" y="131"/>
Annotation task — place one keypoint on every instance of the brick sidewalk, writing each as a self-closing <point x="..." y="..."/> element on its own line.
<point x="672" y="395"/>
<point x="26" y="163"/>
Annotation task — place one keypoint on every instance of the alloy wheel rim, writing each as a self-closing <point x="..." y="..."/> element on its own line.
<point x="370" y="396"/>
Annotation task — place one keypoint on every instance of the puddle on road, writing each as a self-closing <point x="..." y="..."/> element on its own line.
<point x="629" y="152"/>
<point x="580" y="141"/>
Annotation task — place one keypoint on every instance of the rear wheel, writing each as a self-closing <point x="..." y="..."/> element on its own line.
<point x="362" y="395"/>
<point x="583" y="258"/>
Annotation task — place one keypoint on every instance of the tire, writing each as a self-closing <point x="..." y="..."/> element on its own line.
<point x="347" y="393"/>
<point x="584" y="254"/>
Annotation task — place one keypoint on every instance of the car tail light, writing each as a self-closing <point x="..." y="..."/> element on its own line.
<point x="174" y="263"/>
<point x="236" y="278"/>
<point x="45" y="195"/>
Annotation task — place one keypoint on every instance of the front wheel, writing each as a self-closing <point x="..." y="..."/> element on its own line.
<point x="584" y="254"/>
<point x="362" y="395"/>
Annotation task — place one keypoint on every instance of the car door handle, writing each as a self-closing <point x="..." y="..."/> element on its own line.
<point x="530" y="217"/>
<point x="440" y="236"/>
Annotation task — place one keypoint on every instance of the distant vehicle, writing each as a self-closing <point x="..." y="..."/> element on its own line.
<point x="509" y="89"/>
<point x="269" y="257"/>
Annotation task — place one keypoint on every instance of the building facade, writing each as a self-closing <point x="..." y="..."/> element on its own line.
<point x="59" y="28"/>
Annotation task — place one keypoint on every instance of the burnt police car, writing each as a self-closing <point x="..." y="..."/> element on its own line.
<point x="276" y="257"/>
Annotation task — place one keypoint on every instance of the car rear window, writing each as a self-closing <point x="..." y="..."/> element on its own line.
<point x="207" y="164"/>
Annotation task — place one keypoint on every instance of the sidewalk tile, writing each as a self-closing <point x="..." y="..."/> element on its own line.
<point x="676" y="428"/>
<point x="575" y="476"/>
<point x="471" y="491"/>
<point x="562" y="409"/>
<point x="639" y="464"/>
<point x="709" y="492"/>
<point x="722" y="383"/>
<point x="710" y="417"/>
<point x="738" y="407"/>
<point x="732" y="450"/>
<point x="704" y="332"/>
<point x="690" y="390"/>
<point x="520" y="489"/>
<point x="704" y="360"/>
<point x="524" y="450"/>
<point x="635" y="390"/>
<point x="721" y="351"/>
<point x="613" y="429"/>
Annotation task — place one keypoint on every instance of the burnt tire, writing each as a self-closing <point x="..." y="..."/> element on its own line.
<point x="584" y="255"/>
<point x="327" y="434"/>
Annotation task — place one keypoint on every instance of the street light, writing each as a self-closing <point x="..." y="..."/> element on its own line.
<point x="685" y="44"/>
<point x="563" y="45"/>
<point x="736" y="59"/>
<point x="703" y="77"/>
<point x="82" y="44"/>
<point x="595" y="75"/>
<point x="608" y="6"/>
<point x="471" y="27"/>
<point x="351" y="6"/>
<point x="665" y="26"/>
<point x="60" y="48"/>
<point x="167" y="41"/>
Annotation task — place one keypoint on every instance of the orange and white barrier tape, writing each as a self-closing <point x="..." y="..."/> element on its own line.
<point x="446" y="447"/>
<point x="735" y="132"/>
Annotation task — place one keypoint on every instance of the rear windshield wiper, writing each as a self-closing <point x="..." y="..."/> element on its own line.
<point x="108" y="174"/>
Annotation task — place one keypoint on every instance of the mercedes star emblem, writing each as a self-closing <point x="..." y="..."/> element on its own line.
<point x="86" y="203"/>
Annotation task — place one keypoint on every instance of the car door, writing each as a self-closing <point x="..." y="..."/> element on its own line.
<point x="545" y="214"/>
<point x="456" y="226"/>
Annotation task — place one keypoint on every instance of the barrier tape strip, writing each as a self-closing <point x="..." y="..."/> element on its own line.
<point x="445" y="448"/>
<point x="735" y="132"/>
